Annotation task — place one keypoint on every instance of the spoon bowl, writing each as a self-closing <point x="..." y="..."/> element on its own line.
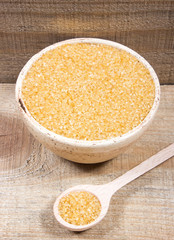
<point x="104" y="192"/>
<point x="99" y="191"/>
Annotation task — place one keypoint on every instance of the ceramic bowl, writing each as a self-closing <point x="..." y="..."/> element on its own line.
<point x="80" y="150"/>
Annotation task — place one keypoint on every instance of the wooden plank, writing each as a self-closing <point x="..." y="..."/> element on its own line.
<point x="32" y="177"/>
<point x="29" y="26"/>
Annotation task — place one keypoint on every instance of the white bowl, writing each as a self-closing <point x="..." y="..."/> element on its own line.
<point x="80" y="150"/>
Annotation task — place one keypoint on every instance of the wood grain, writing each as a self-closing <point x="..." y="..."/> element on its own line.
<point x="28" y="26"/>
<point x="31" y="181"/>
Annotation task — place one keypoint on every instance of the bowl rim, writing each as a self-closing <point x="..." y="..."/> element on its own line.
<point x="86" y="143"/>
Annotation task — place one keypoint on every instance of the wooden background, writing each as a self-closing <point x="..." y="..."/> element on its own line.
<point x="27" y="26"/>
<point x="31" y="177"/>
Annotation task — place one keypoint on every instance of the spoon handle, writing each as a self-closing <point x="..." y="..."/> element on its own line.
<point x="142" y="168"/>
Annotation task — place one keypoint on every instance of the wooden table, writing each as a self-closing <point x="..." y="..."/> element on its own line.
<point x="32" y="177"/>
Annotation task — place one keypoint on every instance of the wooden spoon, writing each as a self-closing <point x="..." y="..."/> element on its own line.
<point x="105" y="192"/>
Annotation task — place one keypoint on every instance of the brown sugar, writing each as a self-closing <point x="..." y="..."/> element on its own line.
<point x="88" y="91"/>
<point x="79" y="208"/>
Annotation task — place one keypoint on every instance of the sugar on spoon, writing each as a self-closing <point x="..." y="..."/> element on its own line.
<point x="104" y="192"/>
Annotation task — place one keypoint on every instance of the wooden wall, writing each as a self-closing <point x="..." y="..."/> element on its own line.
<point x="30" y="25"/>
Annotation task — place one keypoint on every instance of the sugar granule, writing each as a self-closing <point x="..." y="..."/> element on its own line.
<point x="88" y="91"/>
<point x="79" y="208"/>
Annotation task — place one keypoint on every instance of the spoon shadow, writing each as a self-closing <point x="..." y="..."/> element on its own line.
<point x="111" y="222"/>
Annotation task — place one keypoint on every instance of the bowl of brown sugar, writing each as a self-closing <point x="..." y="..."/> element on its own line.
<point x="87" y="99"/>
